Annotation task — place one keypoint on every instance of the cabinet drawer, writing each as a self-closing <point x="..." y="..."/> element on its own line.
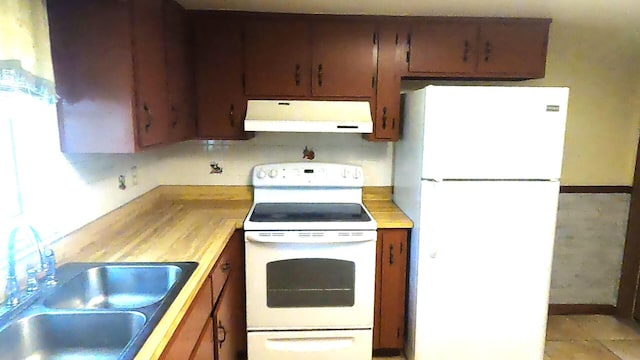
<point x="186" y="337"/>
<point x="219" y="275"/>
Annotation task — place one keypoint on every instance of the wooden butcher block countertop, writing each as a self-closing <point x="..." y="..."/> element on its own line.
<point x="182" y="223"/>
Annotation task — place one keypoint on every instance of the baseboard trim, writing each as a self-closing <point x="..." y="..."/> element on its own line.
<point x="386" y="352"/>
<point x="581" y="309"/>
<point x="605" y="189"/>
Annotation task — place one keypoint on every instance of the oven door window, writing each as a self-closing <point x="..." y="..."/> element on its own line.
<point x="310" y="283"/>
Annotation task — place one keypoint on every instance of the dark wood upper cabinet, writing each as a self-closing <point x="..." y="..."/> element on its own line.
<point x="344" y="58"/>
<point x="150" y="72"/>
<point x="221" y="103"/>
<point x="277" y="57"/>
<point x="443" y="47"/>
<point x="508" y="47"/>
<point x="111" y="60"/>
<point x="180" y="81"/>
<point x="94" y="78"/>
<point x="477" y="48"/>
<point x="391" y="55"/>
<point x="140" y="73"/>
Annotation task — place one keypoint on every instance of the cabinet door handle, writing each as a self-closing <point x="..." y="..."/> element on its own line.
<point x="391" y="259"/>
<point x="320" y="75"/>
<point x="393" y="126"/>
<point x="148" y="116"/>
<point x="297" y="75"/>
<point x="175" y="117"/>
<point x="226" y="266"/>
<point x="487" y="51"/>
<point x="465" y="55"/>
<point x="384" y="118"/>
<point x="232" y="116"/>
<point x="222" y="334"/>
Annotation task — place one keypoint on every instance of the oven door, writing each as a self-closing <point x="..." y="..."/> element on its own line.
<point x="310" y="280"/>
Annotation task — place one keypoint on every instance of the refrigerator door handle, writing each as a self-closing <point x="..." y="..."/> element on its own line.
<point x="433" y="248"/>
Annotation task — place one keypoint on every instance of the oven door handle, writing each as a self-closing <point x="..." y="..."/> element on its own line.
<point x="311" y="239"/>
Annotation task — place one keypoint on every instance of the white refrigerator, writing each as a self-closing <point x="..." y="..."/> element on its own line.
<point x="477" y="170"/>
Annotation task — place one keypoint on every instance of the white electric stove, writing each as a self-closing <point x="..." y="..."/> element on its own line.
<point x="310" y="260"/>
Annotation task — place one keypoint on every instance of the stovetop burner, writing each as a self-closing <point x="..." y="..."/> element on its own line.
<point x="309" y="212"/>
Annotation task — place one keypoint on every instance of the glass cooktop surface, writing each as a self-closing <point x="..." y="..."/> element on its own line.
<point x="308" y="212"/>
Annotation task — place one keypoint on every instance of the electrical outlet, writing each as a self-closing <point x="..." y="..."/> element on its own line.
<point x="122" y="185"/>
<point x="134" y="175"/>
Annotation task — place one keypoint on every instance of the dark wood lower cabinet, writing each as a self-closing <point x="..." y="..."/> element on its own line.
<point x="185" y="339"/>
<point x="214" y="326"/>
<point x="204" y="346"/>
<point x="391" y="283"/>
<point x="230" y="329"/>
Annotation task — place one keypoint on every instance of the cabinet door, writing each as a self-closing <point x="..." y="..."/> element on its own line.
<point x="378" y="293"/>
<point x="237" y="291"/>
<point x="180" y="84"/>
<point x="393" y="287"/>
<point x="91" y="49"/>
<point x="276" y="57"/>
<point x="443" y="47"/>
<point x="226" y="345"/>
<point x="186" y="336"/>
<point x="204" y="346"/>
<point x="517" y="49"/>
<point x="344" y="59"/>
<point x="221" y="103"/>
<point x="150" y="72"/>
<point x="386" y="124"/>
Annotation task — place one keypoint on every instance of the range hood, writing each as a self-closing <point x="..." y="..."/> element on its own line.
<point x="308" y="116"/>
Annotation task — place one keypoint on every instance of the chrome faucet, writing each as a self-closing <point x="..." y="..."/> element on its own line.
<point x="47" y="265"/>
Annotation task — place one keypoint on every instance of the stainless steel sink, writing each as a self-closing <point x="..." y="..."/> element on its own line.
<point x="94" y="335"/>
<point x="97" y="311"/>
<point x="115" y="287"/>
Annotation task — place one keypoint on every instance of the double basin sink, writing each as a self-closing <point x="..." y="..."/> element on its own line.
<point x="97" y="311"/>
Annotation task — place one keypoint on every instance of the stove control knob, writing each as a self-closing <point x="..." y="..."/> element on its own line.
<point x="356" y="174"/>
<point x="261" y="174"/>
<point x="273" y="173"/>
<point x="345" y="173"/>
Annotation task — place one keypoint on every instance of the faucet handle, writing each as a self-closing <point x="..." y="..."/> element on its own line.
<point x="50" y="268"/>
<point x="32" y="279"/>
<point x="12" y="292"/>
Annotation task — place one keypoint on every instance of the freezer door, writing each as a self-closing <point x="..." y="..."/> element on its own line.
<point x="493" y="132"/>
<point x="483" y="269"/>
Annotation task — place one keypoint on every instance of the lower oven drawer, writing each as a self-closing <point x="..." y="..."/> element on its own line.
<point x="310" y="345"/>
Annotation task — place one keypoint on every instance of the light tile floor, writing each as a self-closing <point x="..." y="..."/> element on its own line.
<point x="586" y="337"/>
<point x="591" y="337"/>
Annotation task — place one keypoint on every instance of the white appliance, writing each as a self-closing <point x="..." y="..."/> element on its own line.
<point x="309" y="116"/>
<point x="478" y="172"/>
<point x="310" y="264"/>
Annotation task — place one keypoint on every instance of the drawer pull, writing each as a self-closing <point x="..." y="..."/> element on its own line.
<point x="226" y="266"/>
<point x="221" y="331"/>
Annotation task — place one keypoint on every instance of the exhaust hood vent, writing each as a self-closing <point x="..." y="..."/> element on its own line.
<point x="308" y="116"/>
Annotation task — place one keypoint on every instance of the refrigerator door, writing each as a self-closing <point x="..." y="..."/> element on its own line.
<point x="473" y="132"/>
<point x="483" y="264"/>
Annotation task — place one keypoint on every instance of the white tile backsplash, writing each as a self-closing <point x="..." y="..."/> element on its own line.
<point x="188" y="163"/>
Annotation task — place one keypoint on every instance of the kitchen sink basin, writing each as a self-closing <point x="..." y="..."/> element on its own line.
<point x="95" y="335"/>
<point x="96" y="311"/>
<point x="115" y="287"/>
